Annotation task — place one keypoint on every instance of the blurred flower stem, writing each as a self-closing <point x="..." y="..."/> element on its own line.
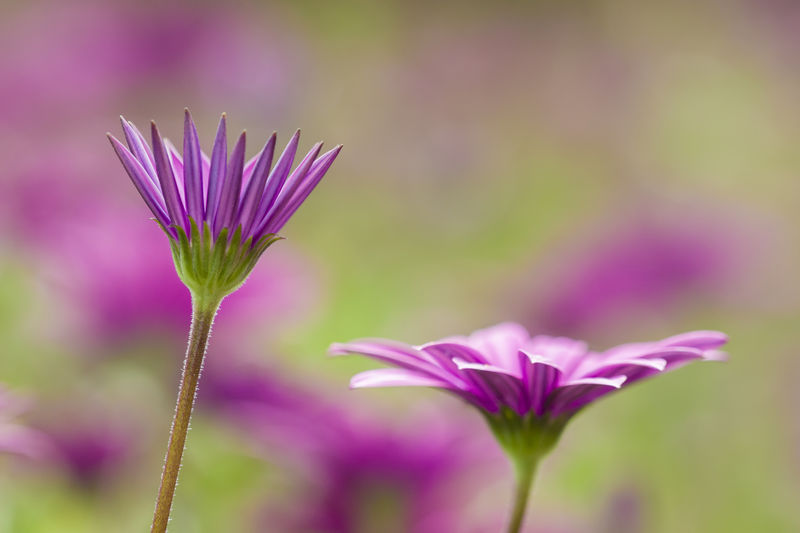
<point x="204" y="310"/>
<point x="525" y="470"/>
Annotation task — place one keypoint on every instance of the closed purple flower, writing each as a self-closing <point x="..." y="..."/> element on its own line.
<point x="219" y="213"/>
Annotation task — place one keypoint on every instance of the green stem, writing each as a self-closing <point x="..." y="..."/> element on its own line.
<point x="203" y="312"/>
<point x="524" y="470"/>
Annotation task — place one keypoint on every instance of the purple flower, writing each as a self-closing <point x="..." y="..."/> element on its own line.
<point x="91" y="454"/>
<point x="645" y="266"/>
<point x="504" y="368"/>
<point x="362" y="472"/>
<point x="126" y="289"/>
<point x="16" y="438"/>
<point x="220" y="214"/>
<point x="528" y="388"/>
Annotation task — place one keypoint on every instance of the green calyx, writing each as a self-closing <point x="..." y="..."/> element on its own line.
<point x="214" y="269"/>
<point x="525" y="438"/>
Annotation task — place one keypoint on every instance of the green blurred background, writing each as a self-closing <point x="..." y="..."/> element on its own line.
<point x="492" y="152"/>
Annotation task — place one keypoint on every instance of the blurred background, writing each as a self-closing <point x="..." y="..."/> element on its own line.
<point x="613" y="171"/>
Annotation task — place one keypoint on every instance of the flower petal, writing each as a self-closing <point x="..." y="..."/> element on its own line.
<point x="139" y="148"/>
<point x="569" y="398"/>
<point x="395" y="377"/>
<point x="192" y="169"/>
<point x="503" y="387"/>
<point x="398" y="354"/>
<point x="314" y="176"/>
<point x="169" y="189"/>
<point x="231" y="187"/>
<point x="702" y="340"/>
<point x="279" y="174"/>
<point x="500" y="344"/>
<point x="216" y="172"/>
<point x="147" y="189"/>
<point x="255" y="187"/>
<point x="632" y="369"/>
<point x="269" y="222"/>
<point x="539" y="378"/>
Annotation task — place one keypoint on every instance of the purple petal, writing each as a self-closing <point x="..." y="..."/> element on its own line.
<point x="445" y="353"/>
<point x="577" y="393"/>
<point x="192" y="169"/>
<point x="268" y="223"/>
<point x="395" y="377"/>
<point x="139" y="149"/>
<point x="503" y="387"/>
<point x="279" y="174"/>
<point x="674" y="355"/>
<point x="231" y="188"/>
<point x="398" y="354"/>
<point x="539" y="378"/>
<point x="255" y="187"/>
<point x="632" y="369"/>
<point x="169" y="189"/>
<point x="702" y="340"/>
<point x="147" y="189"/>
<point x="318" y="170"/>
<point x="500" y="344"/>
<point x="564" y="352"/>
<point x="176" y="161"/>
<point x="216" y="171"/>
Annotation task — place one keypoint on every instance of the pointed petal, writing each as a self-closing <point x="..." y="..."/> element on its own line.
<point x="150" y="194"/>
<point x="632" y="369"/>
<point x="231" y="187"/>
<point x="445" y="353"/>
<point x="569" y="398"/>
<point x="500" y="344"/>
<point x="192" y="169"/>
<point x="268" y="223"/>
<point x="702" y="340"/>
<point x="216" y="172"/>
<point x="169" y="189"/>
<point x="539" y="378"/>
<point x="502" y="387"/>
<point x="398" y="354"/>
<point x="139" y="149"/>
<point x="314" y="176"/>
<point x="176" y="161"/>
<point x="395" y="377"/>
<point x="255" y="187"/>
<point x="279" y="174"/>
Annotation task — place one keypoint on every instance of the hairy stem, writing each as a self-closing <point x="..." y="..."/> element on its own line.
<point x="203" y="312"/>
<point x="524" y="470"/>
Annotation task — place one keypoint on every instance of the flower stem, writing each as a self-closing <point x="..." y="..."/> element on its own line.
<point x="203" y="312"/>
<point x="524" y="470"/>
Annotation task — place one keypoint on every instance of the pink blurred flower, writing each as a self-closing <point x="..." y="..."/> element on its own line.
<point x="642" y="267"/>
<point x="92" y="452"/>
<point x="16" y="438"/>
<point x="362" y="472"/>
<point x="118" y="272"/>
<point x="88" y="54"/>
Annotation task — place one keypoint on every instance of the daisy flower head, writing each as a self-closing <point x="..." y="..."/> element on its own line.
<point x="220" y="213"/>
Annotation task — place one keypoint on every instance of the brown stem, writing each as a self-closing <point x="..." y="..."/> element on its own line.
<point x="203" y="312"/>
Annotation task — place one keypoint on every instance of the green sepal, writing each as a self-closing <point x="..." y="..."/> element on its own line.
<point x="525" y="438"/>
<point x="215" y="269"/>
